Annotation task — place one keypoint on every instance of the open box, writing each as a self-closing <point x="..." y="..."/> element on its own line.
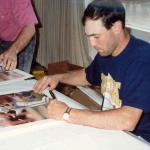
<point x="71" y="91"/>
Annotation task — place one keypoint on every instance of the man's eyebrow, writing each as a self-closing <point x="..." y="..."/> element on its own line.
<point x="94" y="34"/>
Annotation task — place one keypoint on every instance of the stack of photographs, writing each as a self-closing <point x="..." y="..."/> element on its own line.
<point x="23" y="107"/>
<point x="8" y="77"/>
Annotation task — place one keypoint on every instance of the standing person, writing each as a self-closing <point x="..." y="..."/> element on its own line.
<point x="121" y="68"/>
<point x="17" y="34"/>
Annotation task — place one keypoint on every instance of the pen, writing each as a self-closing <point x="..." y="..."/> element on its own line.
<point x="102" y="105"/>
<point x="52" y="94"/>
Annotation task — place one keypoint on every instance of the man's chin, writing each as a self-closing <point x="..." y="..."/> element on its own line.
<point x="103" y="54"/>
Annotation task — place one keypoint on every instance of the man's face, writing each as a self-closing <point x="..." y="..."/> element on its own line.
<point x="103" y="40"/>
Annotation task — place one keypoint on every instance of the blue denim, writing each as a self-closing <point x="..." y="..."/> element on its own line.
<point x="25" y="57"/>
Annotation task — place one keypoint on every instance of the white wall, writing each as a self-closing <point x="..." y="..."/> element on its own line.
<point x="141" y="34"/>
<point x="138" y="18"/>
<point x="87" y="2"/>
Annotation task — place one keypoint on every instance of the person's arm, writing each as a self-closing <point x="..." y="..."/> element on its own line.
<point x="23" y="39"/>
<point x="125" y="118"/>
<point x="77" y="77"/>
<point x="9" y="57"/>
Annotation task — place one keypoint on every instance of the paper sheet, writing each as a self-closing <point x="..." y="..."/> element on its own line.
<point x="18" y="86"/>
<point x="7" y="77"/>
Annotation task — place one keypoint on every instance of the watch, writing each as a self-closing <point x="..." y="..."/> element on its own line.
<point x="66" y="114"/>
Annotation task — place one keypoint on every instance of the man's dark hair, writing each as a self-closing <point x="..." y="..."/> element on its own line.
<point x="109" y="11"/>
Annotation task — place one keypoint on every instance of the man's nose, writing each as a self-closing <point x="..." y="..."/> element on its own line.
<point x="93" y="42"/>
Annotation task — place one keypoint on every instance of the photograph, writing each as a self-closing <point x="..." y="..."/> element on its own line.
<point x="23" y="107"/>
<point x="11" y="76"/>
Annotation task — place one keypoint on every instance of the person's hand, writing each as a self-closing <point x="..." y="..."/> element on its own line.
<point x="9" y="60"/>
<point x="56" y="109"/>
<point x="47" y="81"/>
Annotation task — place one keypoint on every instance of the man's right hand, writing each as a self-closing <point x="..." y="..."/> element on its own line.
<point x="9" y="59"/>
<point x="46" y="82"/>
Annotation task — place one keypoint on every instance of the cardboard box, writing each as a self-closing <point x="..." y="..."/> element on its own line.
<point x="82" y="98"/>
<point x="61" y="67"/>
<point x="71" y="91"/>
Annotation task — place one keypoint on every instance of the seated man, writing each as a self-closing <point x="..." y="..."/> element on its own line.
<point x="121" y="67"/>
<point x="17" y="34"/>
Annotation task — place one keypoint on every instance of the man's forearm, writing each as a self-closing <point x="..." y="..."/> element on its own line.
<point x="124" y="118"/>
<point x="23" y="39"/>
<point x="77" y="77"/>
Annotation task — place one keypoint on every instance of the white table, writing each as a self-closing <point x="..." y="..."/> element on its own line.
<point x="54" y="135"/>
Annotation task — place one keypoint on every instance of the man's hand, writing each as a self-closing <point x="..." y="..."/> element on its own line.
<point x="77" y="77"/>
<point x="56" y="109"/>
<point x="9" y="60"/>
<point x="9" y="57"/>
<point x="46" y="81"/>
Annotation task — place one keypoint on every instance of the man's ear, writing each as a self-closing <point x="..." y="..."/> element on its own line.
<point x="117" y="27"/>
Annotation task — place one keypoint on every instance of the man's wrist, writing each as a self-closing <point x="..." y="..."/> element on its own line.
<point x="66" y="114"/>
<point x="13" y="49"/>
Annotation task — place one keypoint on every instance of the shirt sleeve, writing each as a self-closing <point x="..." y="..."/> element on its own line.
<point x="24" y="13"/>
<point x="93" y="72"/>
<point x="136" y="90"/>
